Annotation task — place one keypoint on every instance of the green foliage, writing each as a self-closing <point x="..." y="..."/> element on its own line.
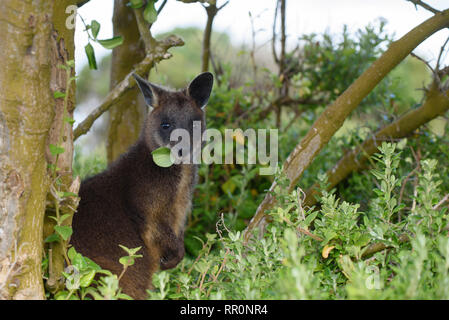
<point x="324" y="252"/>
<point x="88" y="165"/>
<point x="150" y="13"/>
<point x="85" y="280"/>
<point x="332" y="63"/>
<point x="92" y="31"/>
<point x="328" y="251"/>
<point x="186" y="60"/>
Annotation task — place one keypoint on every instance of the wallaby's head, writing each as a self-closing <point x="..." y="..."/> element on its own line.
<point x="171" y="110"/>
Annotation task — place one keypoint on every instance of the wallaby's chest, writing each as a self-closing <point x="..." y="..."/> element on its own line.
<point x="166" y="200"/>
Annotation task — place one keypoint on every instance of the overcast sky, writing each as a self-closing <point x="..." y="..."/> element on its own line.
<point x="303" y="16"/>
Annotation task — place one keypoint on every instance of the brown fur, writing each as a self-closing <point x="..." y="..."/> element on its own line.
<point x="137" y="203"/>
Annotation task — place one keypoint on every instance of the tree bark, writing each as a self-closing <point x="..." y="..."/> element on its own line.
<point x="334" y="115"/>
<point x="31" y="50"/>
<point x="62" y="51"/>
<point x="125" y="119"/>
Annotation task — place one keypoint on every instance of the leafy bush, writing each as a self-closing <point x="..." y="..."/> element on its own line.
<point x="333" y="251"/>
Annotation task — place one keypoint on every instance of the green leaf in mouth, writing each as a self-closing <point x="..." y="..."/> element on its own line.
<point x="162" y="157"/>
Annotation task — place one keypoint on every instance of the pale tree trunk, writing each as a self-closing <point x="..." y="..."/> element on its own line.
<point x="126" y="118"/>
<point x="63" y="50"/>
<point x="30" y="50"/>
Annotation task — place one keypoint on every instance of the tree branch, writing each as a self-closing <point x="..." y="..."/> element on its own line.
<point x="161" y="7"/>
<point x="378" y="246"/>
<point x="81" y="3"/>
<point x="273" y="39"/>
<point x="211" y="11"/>
<point x="144" y="30"/>
<point x="334" y="115"/>
<point x="424" y="5"/>
<point x="157" y="54"/>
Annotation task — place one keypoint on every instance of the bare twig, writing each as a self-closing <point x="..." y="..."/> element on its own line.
<point x="161" y="7"/>
<point x="378" y="246"/>
<point x="442" y="201"/>
<point x="437" y="68"/>
<point x="211" y="11"/>
<point x="200" y="1"/>
<point x="273" y="40"/>
<point x="424" y="61"/>
<point x="417" y="157"/>
<point x="401" y="193"/>
<point x="144" y="30"/>
<point x="424" y="5"/>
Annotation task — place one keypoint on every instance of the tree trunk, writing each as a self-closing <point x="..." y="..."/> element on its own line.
<point x="125" y="119"/>
<point x="63" y="50"/>
<point x="30" y="51"/>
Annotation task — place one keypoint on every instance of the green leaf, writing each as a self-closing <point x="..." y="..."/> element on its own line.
<point x="150" y="13"/>
<point x="55" y="150"/>
<point x="69" y="120"/>
<point x="79" y="262"/>
<point x="91" y="56"/>
<point x="228" y="187"/>
<point x="63" y="217"/>
<point x="69" y="194"/>
<point x="111" y="43"/>
<point x="92" y="265"/>
<point x="58" y="94"/>
<point x="71" y="253"/>
<point x="62" y="295"/>
<point x="95" y="26"/>
<point x="87" y="279"/>
<point x="126" y="261"/>
<point x="64" y="231"/>
<point x="162" y="157"/>
<point x="310" y="218"/>
<point x="52" y="238"/>
<point x="124" y="296"/>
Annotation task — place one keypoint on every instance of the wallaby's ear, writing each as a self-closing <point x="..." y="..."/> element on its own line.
<point x="200" y="88"/>
<point x="150" y="91"/>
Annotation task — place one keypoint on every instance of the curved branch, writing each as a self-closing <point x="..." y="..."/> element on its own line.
<point x="424" y="5"/>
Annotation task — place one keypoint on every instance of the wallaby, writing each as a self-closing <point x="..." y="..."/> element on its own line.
<point x="134" y="202"/>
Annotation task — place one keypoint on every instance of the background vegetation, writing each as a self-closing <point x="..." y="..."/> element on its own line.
<point x="394" y="203"/>
<point x="374" y="226"/>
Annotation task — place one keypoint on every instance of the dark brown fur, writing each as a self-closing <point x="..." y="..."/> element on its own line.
<point x="137" y="203"/>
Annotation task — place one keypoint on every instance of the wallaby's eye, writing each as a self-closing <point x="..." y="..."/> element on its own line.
<point x="165" y="125"/>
